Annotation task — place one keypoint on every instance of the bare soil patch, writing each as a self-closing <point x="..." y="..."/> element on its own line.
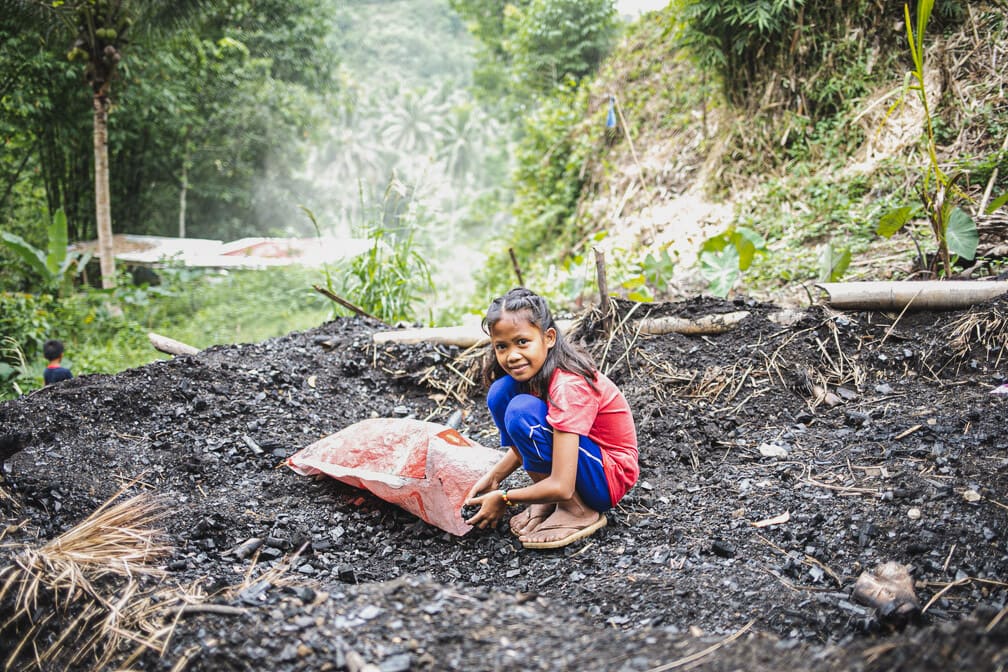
<point x="877" y="435"/>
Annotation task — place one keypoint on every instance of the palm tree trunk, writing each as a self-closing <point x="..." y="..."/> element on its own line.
<point x="103" y="214"/>
<point x="182" y="198"/>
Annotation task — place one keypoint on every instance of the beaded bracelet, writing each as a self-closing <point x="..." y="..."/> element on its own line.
<point x="504" y="496"/>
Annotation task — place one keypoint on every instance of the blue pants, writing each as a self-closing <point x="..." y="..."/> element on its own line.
<point x="521" y="419"/>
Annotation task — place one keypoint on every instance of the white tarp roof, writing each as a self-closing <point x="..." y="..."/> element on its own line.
<point x="244" y="253"/>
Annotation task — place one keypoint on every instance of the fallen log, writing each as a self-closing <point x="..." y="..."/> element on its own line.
<point x="464" y="336"/>
<point x="170" y="346"/>
<point x="708" y="324"/>
<point x="468" y="336"/>
<point x="924" y="295"/>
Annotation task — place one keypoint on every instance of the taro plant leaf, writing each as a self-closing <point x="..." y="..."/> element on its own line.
<point x="634" y="282"/>
<point x="723" y="257"/>
<point x="657" y="270"/>
<point x="638" y="289"/>
<point x="961" y="234"/>
<point x="642" y="295"/>
<point x="745" y="249"/>
<point x="997" y="203"/>
<point x="716" y="243"/>
<point x="747" y="242"/>
<point x="894" y="220"/>
<point x="833" y="262"/>
<point x="720" y="269"/>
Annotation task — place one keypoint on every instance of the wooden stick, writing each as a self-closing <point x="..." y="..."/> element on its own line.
<point x="219" y="609"/>
<point x="899" y="317"/>
<point x="517" y="268"/>
<point x="603" y="287"/>
<point x="170" y="346"/>
<point x="907" y="432"/>
<point x="701" y="654"/>
<point x="990" y="183"/>
<point x="996" y="620"/>
<point x="633" y="152"/>
<point x="948" y="587"/>
<point x="346" y="304"/>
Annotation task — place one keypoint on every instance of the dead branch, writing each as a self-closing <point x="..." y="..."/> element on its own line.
<point x="346" y="304"/>
<point x="170" y="346"/>
<point x="516" y="267"/>
<point x="603" y="288"/>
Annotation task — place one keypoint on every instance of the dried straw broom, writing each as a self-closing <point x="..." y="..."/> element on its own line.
<point x="78" y="596"/>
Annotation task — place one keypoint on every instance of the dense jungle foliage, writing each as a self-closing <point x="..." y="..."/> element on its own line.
<point x="466" y="140"/>
<point x="802" y="119"/>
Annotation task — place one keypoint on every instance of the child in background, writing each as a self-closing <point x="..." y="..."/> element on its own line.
<point x="562" y="420"/>
<point x="55" y="372"/>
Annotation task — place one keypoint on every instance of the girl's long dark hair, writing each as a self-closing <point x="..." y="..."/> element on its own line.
<point x="563" y="355"/>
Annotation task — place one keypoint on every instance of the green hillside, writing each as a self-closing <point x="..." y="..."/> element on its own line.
<point x="782" y="142"/>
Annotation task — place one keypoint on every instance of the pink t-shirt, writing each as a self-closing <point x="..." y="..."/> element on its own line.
<point x="602" y="415"/>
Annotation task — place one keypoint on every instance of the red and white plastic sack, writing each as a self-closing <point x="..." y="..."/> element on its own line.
<point x="423" y="467"/>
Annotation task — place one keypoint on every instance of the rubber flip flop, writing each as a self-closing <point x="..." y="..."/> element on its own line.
<point x="579" y="533"/>
<point x="528" y="517"/>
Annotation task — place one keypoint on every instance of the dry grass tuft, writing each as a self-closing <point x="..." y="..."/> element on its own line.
<point x="8" y="499"/>
<point x="455" y="378"/>
<point x="986" y="328"/>
<point x="79" y="596"/>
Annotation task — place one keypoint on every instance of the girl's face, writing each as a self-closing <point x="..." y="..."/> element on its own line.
<point x="520" y="346"/>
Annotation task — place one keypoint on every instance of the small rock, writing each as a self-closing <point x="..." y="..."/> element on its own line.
<point x="370" y="612"/>
<point x="772" y="450"/>
<point x="305" y="593"/>
<point x="270" y="553"/>
<point x="722" y="549"/>
<point x="246" y="548"/>
<point x="400" y="662"/>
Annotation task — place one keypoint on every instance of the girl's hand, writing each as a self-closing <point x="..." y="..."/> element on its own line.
<point x="491" y="509"/>
<point x="486" y="483"/>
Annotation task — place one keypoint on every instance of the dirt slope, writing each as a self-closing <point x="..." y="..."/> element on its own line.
<point x="907" y="463"/>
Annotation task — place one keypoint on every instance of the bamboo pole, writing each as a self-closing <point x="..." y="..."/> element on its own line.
<point x="926" y="295"/>
<point x="633" y="150"/>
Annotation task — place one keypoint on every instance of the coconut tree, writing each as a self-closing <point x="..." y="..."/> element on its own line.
<point x="97" y="32"/>
<point x="413" y="127"/>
